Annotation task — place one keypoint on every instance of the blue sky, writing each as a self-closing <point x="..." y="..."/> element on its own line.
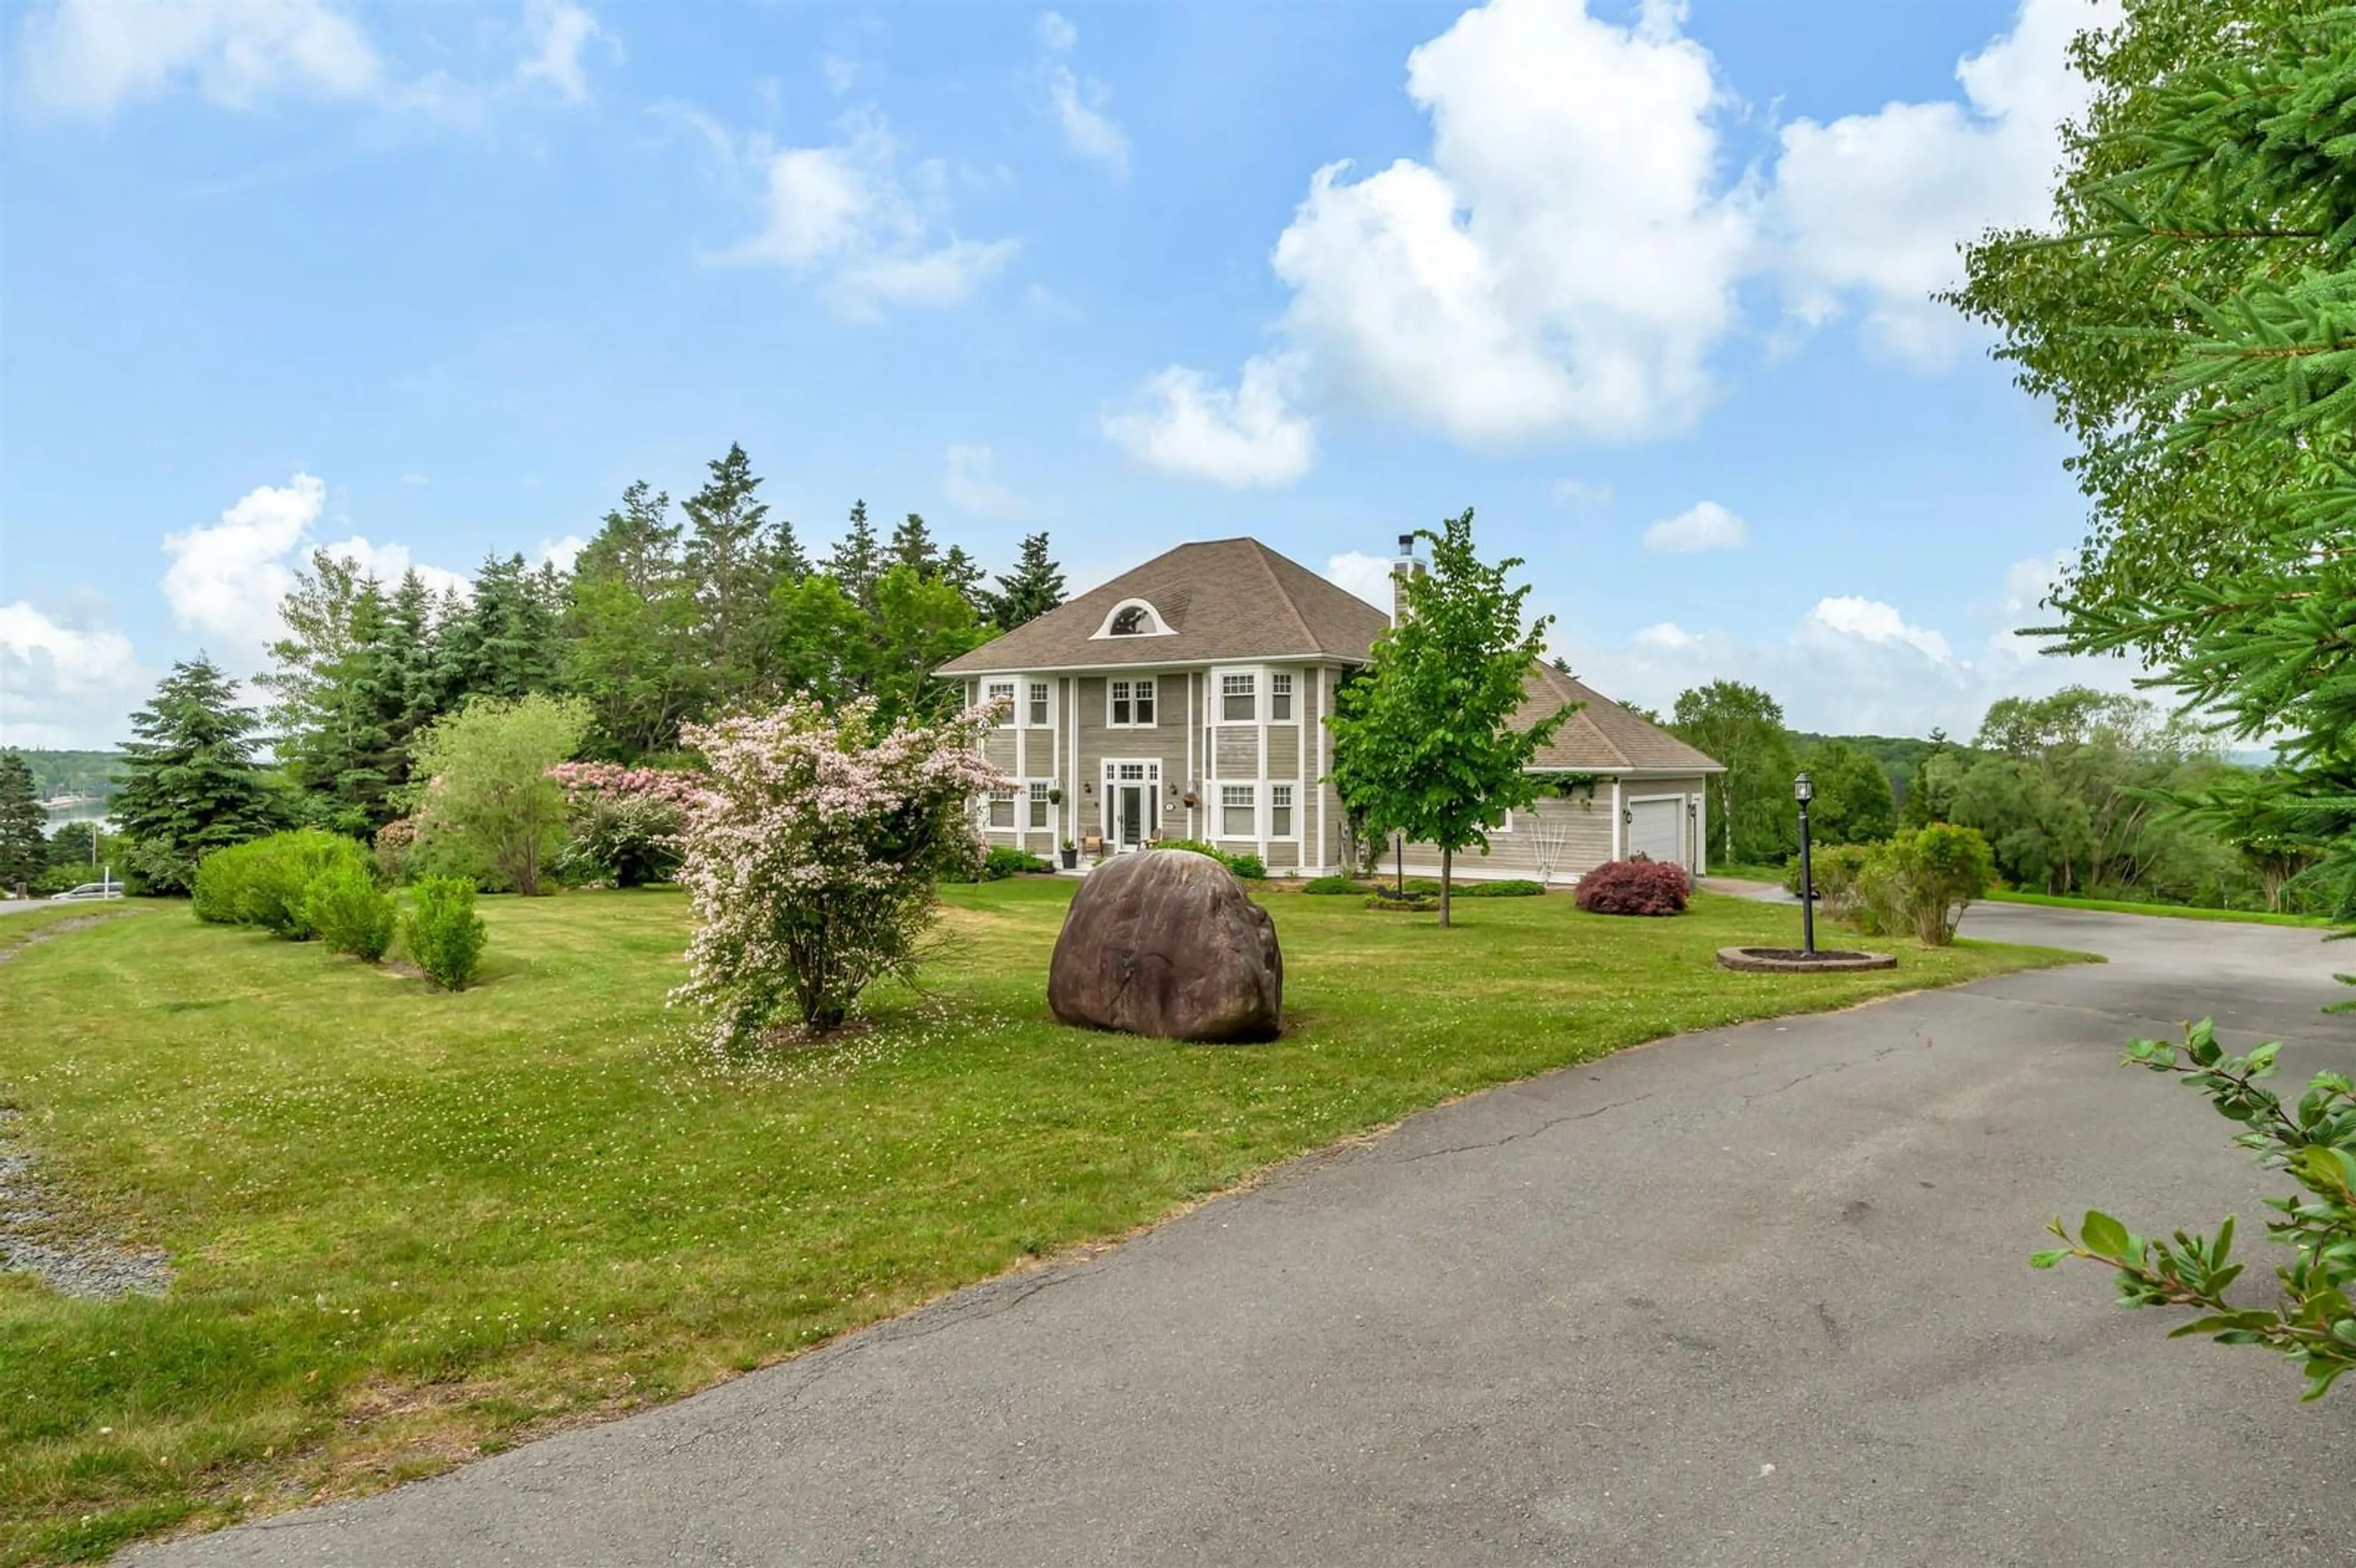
<point x="1647" y="284"/>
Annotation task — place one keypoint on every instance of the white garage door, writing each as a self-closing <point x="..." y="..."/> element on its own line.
<point x="1656" y="830"/>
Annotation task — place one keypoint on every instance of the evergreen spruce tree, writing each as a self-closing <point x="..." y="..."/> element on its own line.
<point x="190" y="785"/>
<point x="627" y="627"/>
<point x="856" y="561"/>
<point x="24" y="851"/>
<point x="409" y="631"/>
<point x="965" y="574"/>
<point x="912" y="547"/>
<point x="1035" y="587"/>
<point x="733" y="561"/>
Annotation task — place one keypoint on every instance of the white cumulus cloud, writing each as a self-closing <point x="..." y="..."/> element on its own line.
<point x="226" y="578"/>
<point x="558" y="32"/>
<point x="842" y="217"/>
<point x="1868" y="209"/>
<point x="1563" y="261"/>
<point x="90" y="56"/>
<point x="1368" y="576"/>
<point x="63" y="685"/>
<point x="1242" y="437"/>
<point x="1567" y="257"/>
<point x="1854" y="665"/>
<point x="969" y="479"/>
<point x="1089" y="130"/>
<point x="1706" y="525"/>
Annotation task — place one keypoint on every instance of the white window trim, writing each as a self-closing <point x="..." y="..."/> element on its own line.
<point x="1291" y="695"/>
<point x="990" y="693"/>
<point x="1257" y="677"/>
<point x="1132" y="723"/>
<point x="1292" y="805"/>
<point x="1252" y="805"/>
<point x="1022" y="688"/>
<point x="1160" y="623"/>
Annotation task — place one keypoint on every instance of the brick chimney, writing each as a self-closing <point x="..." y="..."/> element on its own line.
<point x="1403" y="566"/>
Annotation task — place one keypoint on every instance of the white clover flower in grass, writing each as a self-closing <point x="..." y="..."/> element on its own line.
<point x="812" y="852"/>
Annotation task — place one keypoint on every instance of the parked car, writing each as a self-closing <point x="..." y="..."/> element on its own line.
<point x="88" y="890"/>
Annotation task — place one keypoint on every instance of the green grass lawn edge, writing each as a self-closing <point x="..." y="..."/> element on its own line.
<point x="234" y="1398"/>
<point x="2169" y="912"/>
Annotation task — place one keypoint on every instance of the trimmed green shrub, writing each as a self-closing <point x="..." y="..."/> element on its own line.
<point x="1919" y="882"/>
<point x="1937" y="871"/>
<point x="349" y="914"/>
<point x="1003" y="862"/>
<point x="265" y="881"/>
<point x="1247" y="865"/>
<point x="1332" y="885"/>
<point x="443" y="933"/>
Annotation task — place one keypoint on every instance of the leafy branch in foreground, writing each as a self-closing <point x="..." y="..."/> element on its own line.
<point x="2314" y="1321"/>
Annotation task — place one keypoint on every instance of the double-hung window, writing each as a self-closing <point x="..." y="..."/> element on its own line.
<point x="1238" y="699"/>
<point x="1280" y="695"/>
<point x="1132" y="704"/>
<point x="1235" y="812"/>
<point x="1001" y="809"/>
<point x="1279" y="811"/>
<point x="1039" y="801"/>
<point x="1038" y="705"/>
<point x="1000" y="691"/>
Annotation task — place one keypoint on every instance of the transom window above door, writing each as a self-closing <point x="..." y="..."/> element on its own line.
<point x="1131" y="703"/>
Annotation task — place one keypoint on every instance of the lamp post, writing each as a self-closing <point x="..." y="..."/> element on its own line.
<point x="1804" y="790"/>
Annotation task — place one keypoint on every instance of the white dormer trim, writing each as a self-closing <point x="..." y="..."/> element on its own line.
<point x="1158" y="624"/>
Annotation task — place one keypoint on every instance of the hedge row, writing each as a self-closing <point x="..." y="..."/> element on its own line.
<point x="310" y="884"/>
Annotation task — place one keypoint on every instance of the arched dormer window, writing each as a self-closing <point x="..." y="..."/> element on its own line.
<point x="1133" y="618"/>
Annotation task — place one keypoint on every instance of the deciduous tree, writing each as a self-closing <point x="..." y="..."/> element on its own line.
<point x="1424" y="742"/>
<point x="483" y="801"/>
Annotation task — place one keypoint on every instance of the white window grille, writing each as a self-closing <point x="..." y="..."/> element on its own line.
<point x="1279" y="696"/>
<point x="1238" y="699"/>
<point x="1279" y="811"/>
<point x="1039" y="801"/>
<point x="1123" y="711"/>
<point x="1236" y="811"/>
<point x="1145" y="704"/>
<point x="1001" y="809"/>
<point x="1039" y="705"/>
<point x="1000" y="692"/>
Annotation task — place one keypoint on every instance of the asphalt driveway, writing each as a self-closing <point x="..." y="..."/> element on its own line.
<point x="1758" y="1296"/>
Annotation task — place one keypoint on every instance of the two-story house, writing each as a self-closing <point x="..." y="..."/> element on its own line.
<point x="1187" y="698"/>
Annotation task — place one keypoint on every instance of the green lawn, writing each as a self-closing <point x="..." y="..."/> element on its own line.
<point x="411" y="1227"/>
<point x="2174" y="912"/>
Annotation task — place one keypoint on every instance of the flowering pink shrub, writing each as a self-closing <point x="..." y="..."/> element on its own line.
<point x="812" y="853"/>
<point x="623" y="825"/>
<point x="1634" y="887"/>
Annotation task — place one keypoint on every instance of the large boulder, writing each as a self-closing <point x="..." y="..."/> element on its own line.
<point x="1166" y="942"/>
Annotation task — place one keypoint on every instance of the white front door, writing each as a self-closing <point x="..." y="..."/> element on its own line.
<point x="1132" y="803"/>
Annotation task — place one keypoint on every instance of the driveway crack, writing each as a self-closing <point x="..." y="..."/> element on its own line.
<point x="1546" y="1126"/>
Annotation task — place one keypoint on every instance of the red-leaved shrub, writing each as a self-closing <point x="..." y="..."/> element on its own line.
<point x="1634" y="887"/>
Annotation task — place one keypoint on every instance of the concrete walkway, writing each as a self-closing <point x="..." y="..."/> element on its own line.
<point x="1756" y="1296"/>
